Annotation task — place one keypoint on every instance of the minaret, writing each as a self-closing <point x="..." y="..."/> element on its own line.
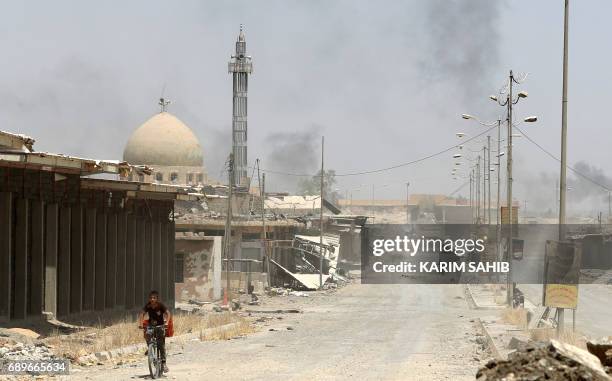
<point x="240" y="66"/>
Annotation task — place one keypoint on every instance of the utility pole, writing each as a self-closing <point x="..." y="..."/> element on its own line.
<point x="484" y="184"/>
<point x="497" y="212"/>
<point x="609" y="205"/>
<point x="510" y="284"/>
<point x="489" y="176"/>
<point x="228" y="230"/>
<point x="557" y="196"/>
<point x="471" y="196"/>
<point x="563" y="177"/>
<point x="485" y="165"/>
<point x="478" y="191"/>
<point x="264" y="235"/>
<point x="321" y="214"/>
<point x="372" y="195"/>
<point x="407" y="207"/>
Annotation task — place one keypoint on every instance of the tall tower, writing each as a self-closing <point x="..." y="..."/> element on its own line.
<point x="240" y="66"/>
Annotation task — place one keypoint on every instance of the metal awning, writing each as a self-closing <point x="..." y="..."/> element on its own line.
<point x="140" y="190"/>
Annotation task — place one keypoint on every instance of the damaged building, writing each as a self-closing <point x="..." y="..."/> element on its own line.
<point x="73" y="244"/>
<point x="288" y="258"/>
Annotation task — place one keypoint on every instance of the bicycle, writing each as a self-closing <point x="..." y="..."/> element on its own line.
<point x="156" y="368"/>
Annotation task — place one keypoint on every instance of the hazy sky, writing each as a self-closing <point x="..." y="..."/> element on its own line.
<point x="384" y="81"/>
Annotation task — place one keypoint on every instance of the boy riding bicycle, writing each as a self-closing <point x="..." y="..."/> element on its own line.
<point x="158" y="316"/>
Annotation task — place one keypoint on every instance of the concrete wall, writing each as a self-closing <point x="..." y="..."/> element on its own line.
<point x="69" y="251"/>
<point x="197" y="269"/>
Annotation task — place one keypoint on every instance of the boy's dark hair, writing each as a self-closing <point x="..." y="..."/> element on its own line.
<point x="154" y="293"/>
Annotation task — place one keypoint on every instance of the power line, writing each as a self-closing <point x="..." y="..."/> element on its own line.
<point x="458" y="189"/>
<point x="385" y="168"/>
<point x="567" y="166"/>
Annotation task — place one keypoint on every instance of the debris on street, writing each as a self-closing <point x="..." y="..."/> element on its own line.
<point x="552" y="360"/>
<point x="23" y="344"/>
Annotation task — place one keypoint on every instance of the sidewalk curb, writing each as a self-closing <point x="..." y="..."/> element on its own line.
<point x="474" y="305"/>
<point x="119" y="352"/>
<point x="490" y="343"/>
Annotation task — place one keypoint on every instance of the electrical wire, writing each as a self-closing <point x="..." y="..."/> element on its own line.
<point x="385" y="169"/>
<point x="458" y="189"/>
<point x="567" y="166"/>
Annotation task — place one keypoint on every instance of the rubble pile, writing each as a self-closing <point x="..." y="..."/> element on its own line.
<point x="14" y="346"/>
<point x="552" y="360"/>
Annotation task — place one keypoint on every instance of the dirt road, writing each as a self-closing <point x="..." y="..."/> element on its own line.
<point x="361" y="332"/>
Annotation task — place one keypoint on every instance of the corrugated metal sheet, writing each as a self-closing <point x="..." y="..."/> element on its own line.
<point x="308" y="281"/>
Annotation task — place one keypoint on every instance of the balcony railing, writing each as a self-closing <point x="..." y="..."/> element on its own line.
<point x="240" y="67"/>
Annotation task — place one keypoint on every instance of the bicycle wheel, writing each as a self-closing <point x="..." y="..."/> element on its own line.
<point x="153" y="361"/>
<point x="160" y="367"/>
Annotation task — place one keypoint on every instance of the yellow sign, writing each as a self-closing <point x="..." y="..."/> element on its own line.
<point x="561" y="296"/>
<point x="504" y="215"/>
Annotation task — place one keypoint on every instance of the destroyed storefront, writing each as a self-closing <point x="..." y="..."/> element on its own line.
<point x="200" y="228"/>
<point x="200" y="273"/>
<point x="335" y="253"/>
<point x="71" y="244"/>
<point x="291" y="255"/>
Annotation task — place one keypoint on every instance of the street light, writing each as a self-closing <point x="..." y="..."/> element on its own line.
<point x="456" y="156"/>
<point x="508" y="102"/>
<point x="461" y="134"/>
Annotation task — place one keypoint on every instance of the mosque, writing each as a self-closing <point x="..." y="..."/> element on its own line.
<point x="168" y="146"/>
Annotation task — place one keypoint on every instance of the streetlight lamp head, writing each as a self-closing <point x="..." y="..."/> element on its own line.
<point x="501" y="154"/>
<point x="460" y="134"/>
<point x="523" y="94"/>
<point x="531" y="119"/>
<point x="457" y="156"/>
<point x="467" y="116"/>
<point x="493" y="98"/>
